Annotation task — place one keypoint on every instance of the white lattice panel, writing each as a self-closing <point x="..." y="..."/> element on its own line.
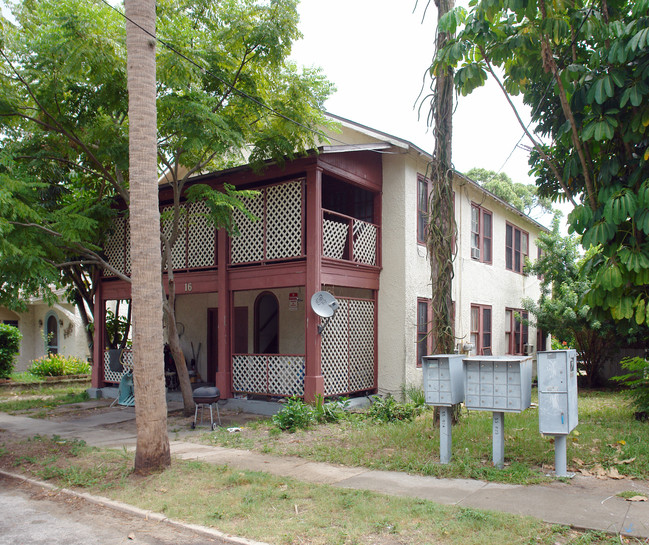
<point x="114" y="247"/>
<point x="348" y="348"/>
<point x="361" y="345"/>
<point x="201" y="237"/>
<point x="127" y="362"/>
<point x="249" y="373"/>
<point x="286" y="375"/>
<point x="248" y="246"/>
<point x="335" y="352"/>
<point x="127" y="247"/>
<point x="334" y="238"/>
<point x="364" y="243"/>
<point x="178" y="250"/>
<point x="284" y="220"/>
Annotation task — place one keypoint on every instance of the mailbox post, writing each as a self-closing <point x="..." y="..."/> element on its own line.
<point x="499" y="384"/>
<point x="443" y="387"/>
<point x="558" y="412"/>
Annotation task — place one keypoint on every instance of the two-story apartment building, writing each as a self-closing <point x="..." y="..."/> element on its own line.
<point x="344" y="220"/>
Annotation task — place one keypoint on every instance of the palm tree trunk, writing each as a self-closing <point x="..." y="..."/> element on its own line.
<point x="152" y="449"/>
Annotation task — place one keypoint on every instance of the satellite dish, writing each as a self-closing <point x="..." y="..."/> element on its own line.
<point x="324" y="305"/>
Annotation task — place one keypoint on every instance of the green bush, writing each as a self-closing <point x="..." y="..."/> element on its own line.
<point x="57" y="365"/>
<point x="294" y="415"/>
<point x="331" y="411"/>
<point x="10" y="338"/>
<point x="388" y="409"/>
<point x="637" y="380"/>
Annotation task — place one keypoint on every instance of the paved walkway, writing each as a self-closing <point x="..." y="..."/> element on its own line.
<point x="583" y="503"/>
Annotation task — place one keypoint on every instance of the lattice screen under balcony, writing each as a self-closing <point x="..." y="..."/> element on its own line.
<point x="275" y="375"/>
<point x="348" y="348"/>
<point x="278" y="233"/>
<point x="195" y="247"/>
<point x="126" y="360"/>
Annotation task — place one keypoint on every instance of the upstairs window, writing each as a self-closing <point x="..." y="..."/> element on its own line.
<point x="423" y="329"/>
<point x="481" y="234"/>
<point x="516" y="248"/>
<point x="423" y="192"/>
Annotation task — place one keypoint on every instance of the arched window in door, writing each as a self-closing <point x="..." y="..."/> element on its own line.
<point x="266" y="324"/>
<point x="51" y="333"/>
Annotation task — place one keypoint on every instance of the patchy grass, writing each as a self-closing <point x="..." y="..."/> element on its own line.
<point x="41" y="398"/>
<point x="607" y="439"/>
<point x="275" y="509"/>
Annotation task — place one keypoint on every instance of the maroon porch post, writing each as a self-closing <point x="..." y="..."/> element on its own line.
<point x="313" y="380"/>
<point x="223" y="379"/>
<point x="99" y="316"/>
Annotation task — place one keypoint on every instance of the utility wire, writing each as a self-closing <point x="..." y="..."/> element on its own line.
<point x="231" y="86"/>
<point x="547" y="89"/>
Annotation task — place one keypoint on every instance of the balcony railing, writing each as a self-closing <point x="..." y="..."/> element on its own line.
<point x="347" y="238"/>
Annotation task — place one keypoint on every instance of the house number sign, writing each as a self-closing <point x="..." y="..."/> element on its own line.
<point x="188" y="286"/>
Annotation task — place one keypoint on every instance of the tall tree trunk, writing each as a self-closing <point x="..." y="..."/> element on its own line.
<point x="152" y="448"/>
<point x="174" y="345"/>
<point x="441" y="223"/>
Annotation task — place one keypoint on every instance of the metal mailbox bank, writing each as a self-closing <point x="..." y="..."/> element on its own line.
<point x="499" y="384"/>
<point x="443" y="387"/>
<point x="558" y="412"/>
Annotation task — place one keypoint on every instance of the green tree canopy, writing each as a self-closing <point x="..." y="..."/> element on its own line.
<point x="224" y="86"/>
<point x="583" y="69"/>
<point x="524" y="197"/>
<point x="560" y="310"/>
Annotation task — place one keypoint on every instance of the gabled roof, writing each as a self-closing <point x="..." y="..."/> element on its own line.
<point x="393" y="141"/>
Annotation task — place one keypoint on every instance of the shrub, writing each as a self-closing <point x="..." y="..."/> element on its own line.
<point x="331" y="411"/>
<point x="57" y="365"/>
<point x="415" y="394"/>
<point x="294" y="415"/>
<point x="10" y="338"/>
<point x="388" y="409"/>
<point x="637" y="380"/>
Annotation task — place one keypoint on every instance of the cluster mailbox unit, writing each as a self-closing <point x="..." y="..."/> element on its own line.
<point x="558" y="413"/>
<point x="443" y="387"/>
<point x="499" y="384"/>
<point x="503" y="384"/>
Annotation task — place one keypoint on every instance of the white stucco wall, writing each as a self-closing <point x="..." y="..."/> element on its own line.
<point x="191" y="312"/>
<point x="493" y="284"/>
<point x="72" y="339"/>
<point x="393" y="298"/>
<point x="405" y="276"/>
<point x="291" y="322"/>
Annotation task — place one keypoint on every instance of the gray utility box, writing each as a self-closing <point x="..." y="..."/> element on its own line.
<point x="498" y="383"/>
<point x="443" y="379"/>
<point x="557" y="370"/>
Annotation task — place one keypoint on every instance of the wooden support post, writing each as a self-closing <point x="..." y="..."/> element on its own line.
<point x="223" y="379"/>
<point x="313" y="380"/>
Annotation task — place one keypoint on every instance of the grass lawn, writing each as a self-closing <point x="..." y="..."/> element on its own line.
<point x="279" y="510"/>
<point x="608" y="439"/>
<point x="41" y="396"/>
<point x="283" y="511"/>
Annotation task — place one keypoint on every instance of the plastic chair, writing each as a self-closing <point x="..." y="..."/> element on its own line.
<point x="125" y="392"/>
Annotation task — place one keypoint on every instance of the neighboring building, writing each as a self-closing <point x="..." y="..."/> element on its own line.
<point x="47" y="329"/>
<point x="345" y="220"/>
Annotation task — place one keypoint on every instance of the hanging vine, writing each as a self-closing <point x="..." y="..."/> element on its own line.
<point x="442" y="229"/>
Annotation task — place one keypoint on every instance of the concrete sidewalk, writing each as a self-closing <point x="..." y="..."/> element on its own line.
<point x="583" y="503"/>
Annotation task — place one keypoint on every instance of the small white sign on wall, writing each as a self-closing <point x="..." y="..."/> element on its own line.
<point x="292" y="301"/>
